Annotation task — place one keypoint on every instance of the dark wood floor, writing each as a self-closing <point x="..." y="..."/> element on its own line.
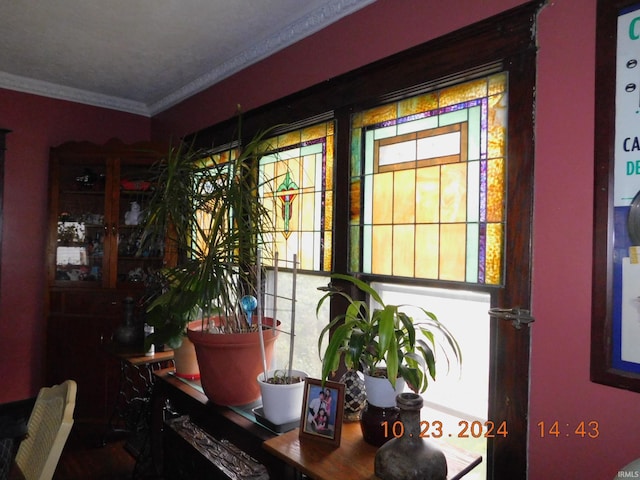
<point x="85" y="458"/>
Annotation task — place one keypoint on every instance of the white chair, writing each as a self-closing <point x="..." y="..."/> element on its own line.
<point x="47" y="431"/>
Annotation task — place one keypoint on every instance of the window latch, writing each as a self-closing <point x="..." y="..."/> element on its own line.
<point x="517" y="315"/>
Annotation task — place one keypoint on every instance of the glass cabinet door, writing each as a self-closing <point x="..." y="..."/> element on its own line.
<point x="135" y="262"/>
<point x="81" y="227"/>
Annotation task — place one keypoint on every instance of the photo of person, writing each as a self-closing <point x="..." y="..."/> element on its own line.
<point x="320" y="415"/>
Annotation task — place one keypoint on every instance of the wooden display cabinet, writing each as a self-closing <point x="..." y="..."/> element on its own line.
<point x="93" y="260"/>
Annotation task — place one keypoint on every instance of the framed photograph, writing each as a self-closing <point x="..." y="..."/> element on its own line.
<point x="322" y="410"/>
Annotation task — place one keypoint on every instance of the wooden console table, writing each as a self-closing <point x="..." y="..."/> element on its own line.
<point x="286" y="456"/>
<point x="354" y="459"/>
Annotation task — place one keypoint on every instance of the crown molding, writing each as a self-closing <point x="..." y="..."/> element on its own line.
<point x="329" y="13"/>
<point x="61" y="92"/>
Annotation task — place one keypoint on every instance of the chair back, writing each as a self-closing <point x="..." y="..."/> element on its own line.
<point x="47" y="431"/>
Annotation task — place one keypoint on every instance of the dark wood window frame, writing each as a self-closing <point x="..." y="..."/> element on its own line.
<point x="503" y="42"/>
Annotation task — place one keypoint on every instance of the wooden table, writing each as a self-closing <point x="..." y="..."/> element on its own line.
<point x="354" y="459"/>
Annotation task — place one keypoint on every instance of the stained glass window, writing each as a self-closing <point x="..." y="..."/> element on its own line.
<point x="427" y="185"/>
<point x="297" y="181"/>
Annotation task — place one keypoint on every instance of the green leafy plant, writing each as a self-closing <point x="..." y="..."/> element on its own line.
<point x="208" y="209"/>
<point x="383" y="341"/>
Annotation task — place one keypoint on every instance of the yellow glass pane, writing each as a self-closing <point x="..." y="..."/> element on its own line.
<point x="428" y="195"/>
<point x="285" y="140"/>
<point x="329" y="165"/>
<point x="453" y="252"/>
<point x="463" y="92"/>
<point x="427" y="247"/>
<point x="314" y="132"/>
<point x="493" y="265"/>
<point x="381" y="241"/>
<point x="382" y="198"/>
<point x="497" y="123"/>
<point x="380" y="114"/>
<point x="307" y="212"/>
<point x="354" y="202"/>
<point x="328" y="210"/>
<point x="267" y="177"/>
<point x="307" y="251"/>
<point x="404" y="197"/>
<point x="453" y="202"/>
<point x="403" y="250"/>
<point x="497" y="83"/>
<point x="421" y="103"/>
<point x="328" y="242"/>
<point x="306" y="171"/>
<point x="356" y="120"/>
<point x="495" y="188"/>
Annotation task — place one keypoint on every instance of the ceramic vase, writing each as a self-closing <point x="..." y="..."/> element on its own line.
<point x="408" y="456"/>
<point x="380" y="407"/>
<point x="355" y="397"/>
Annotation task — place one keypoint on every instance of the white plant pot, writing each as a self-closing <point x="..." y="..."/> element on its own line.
<point x="380" y="393"/>
<point x="282" y="403"/>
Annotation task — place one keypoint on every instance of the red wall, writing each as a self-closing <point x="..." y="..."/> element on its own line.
<point x="560" y="385"/>
<point x="37" y="123"/>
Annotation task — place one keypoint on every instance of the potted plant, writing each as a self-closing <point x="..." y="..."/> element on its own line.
<point x="282" y="390"/>
<point x="383" y="343"/>
<point x="209" y="210"/>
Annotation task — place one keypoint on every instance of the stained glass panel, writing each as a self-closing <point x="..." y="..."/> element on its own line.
<point x="297" y="187"/>
<point x="427" y="184"/>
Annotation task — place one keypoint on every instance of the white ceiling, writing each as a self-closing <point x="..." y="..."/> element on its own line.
<point x="143" y="56"/>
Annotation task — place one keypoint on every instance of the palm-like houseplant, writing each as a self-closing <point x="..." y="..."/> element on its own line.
<point x="209" y="209"/>
<point x="383" y="341"/>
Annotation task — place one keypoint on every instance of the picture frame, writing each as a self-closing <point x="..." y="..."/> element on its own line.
<point x="615" y="322"/>
<point x="321" y="420"/>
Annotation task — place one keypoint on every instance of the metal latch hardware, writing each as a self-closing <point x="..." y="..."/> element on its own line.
<point x="517" y="316"/>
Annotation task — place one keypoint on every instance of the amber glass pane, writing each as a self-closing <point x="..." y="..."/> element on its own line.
<point x="428" y="195"/>
<point x="382" y="240"/>
<point x="452" y="252"/>
<point x="404" y="197"/>
<point x="427" y="184"/>
<point x="453" y="204"/>
<point x="403" y="251"/>
<point x="383" y="191"/>
<point x="427" y="251"/>
<point x="494" y="252"/>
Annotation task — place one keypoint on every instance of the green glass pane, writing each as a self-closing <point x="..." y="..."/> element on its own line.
<point x="418" y="125"/>
<point x="472" y="252"/>
<point x="474" y="131"/>
<point x="453" y="118"/>
<point x="473" y="191"/>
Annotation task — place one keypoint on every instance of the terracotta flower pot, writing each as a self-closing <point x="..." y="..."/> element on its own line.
<point x="229" y="363"/>
<point x="185" y="358"/>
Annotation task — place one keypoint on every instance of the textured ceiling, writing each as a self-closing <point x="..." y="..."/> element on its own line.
<point x="143" y="56"/>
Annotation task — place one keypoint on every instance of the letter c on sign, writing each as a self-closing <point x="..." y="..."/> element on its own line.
<point x="632" y="29"/>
